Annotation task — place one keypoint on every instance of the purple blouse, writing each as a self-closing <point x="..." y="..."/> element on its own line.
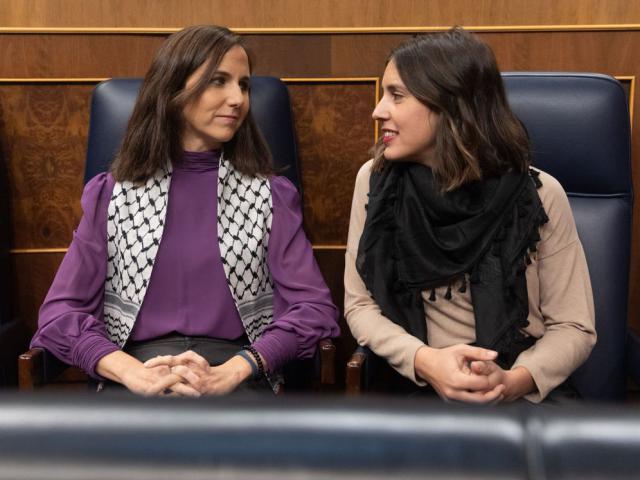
<point x="188" y="291"/>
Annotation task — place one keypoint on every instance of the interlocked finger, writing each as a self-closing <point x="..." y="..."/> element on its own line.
<point x="472" y="382"/>
<point x="188" y="374"/>
<point x="168" y="360"/>
<point x="192" y="357"/>
<point x="479" y="397"/>
<point x="480" y="368"/>
<point x="184" y="390"/>
<point x="163" y="383"/>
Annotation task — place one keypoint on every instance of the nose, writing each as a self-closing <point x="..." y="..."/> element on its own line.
<point x="380" y="112"/>
<point x="235" y="96"/>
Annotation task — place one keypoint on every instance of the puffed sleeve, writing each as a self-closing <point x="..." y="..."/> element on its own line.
<point x="70" y="323"/>
<point x="303" y="310"/>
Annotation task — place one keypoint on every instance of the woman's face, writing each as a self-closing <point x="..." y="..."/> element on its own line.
<point x="407" y="125"/>
<point x="213" y="118"/>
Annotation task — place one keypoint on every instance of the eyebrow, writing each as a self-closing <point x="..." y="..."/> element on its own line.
<point x="227" y="74"/>
<point x="396" y="86"/>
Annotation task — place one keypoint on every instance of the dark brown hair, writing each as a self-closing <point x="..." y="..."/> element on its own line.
<point x="153" y="135"/>
<point x="477" y="135"/>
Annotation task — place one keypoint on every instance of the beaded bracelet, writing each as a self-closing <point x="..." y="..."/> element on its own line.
<point x="255" y="373"/>
<point x="258" y="359"/>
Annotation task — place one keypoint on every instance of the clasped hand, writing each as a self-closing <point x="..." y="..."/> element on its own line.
<point x="199" y="377"/>
<point x="462" y="373"/>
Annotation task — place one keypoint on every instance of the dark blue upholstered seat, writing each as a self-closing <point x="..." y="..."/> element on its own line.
<point x="579" y="129"/>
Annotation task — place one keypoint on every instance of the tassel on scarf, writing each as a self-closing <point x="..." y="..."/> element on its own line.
<point x="447" y="296"/>
<point x="535" y="175"/>
<point x="463" y="285"/>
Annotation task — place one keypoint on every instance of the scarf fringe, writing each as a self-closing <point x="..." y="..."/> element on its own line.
<point x="514" y="335"/>
<point x="449" y="294"/>
<point x="531" y="247"/>
<point x="463" y="285"/>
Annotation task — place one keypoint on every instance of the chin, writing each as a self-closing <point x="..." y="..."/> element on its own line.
<point x="220" y="139"/>
<point x="391" y="157"/>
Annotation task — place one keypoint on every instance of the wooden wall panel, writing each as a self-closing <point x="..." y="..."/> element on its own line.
<point x="43" y="126"/>
<point x="335" y="131"/>
<point x="76" y="56"/>
<point x="613" y="53"/>
<point x="322" y="13"/>
<point x="341" y="55"/>
<point x="273" y="55"/>
<point x="43" y="131"/>
<point x="35" y="273"/>
<point x="101" y="56"/>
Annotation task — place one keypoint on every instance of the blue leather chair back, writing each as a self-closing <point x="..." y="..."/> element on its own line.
<point x="112" y="103"/>
<point x="580" y="134"/>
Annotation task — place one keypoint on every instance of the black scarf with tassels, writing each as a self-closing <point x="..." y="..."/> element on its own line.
<point x="416" y="238"/>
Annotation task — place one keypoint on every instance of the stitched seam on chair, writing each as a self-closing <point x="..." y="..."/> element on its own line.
<point x="599" y="195"/>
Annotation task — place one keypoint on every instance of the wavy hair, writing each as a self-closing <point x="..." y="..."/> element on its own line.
<point x="455" y="74"/>
<point x="153" y="134"/>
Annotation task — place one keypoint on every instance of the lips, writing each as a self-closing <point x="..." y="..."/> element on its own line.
<point x="227" y="118"/>
<point x="388" y="136"/>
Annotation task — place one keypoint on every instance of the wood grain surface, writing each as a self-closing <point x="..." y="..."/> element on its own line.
<point x="43" y="131"/>
<point x="335" y="131"/>
<point x="43" y="126"/>
<point x="321" y="13"/>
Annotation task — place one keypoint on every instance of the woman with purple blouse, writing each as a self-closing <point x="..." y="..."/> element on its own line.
<point x="190" y="272"/>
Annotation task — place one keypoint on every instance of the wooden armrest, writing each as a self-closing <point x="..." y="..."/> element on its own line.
<point x="312" y="374"/>
<point x="327" y="351"/>
<point x="30" y="366"/>
<point x="38" y="367"/>
<point x="355" y="372"/>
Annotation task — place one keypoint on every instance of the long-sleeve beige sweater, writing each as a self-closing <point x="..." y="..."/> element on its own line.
<point x="561" y="314"/>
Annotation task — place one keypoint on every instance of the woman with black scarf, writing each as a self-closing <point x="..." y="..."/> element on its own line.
<point x="463" y="266"/>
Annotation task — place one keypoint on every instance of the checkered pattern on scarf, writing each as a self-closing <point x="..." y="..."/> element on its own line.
<point x="244" y="226"/>
<point x="135" y="222"/>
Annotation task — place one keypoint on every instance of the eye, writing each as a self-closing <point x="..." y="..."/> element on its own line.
<point x="218" y="81"/>
<point x="244" y="85"/>
<point x="396" y="96"/>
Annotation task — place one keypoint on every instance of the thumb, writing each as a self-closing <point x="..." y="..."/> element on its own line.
<point x="478" y="367"/>
<point x="478" y="353"/>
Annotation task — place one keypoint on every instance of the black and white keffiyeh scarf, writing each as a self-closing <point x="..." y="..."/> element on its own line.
<point x="135" y="224"/>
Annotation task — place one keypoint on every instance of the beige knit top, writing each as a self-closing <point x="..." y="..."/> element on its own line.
<point x="561" y="313"/>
